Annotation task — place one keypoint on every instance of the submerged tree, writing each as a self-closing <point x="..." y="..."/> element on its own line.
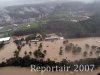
<point x="68" y="48"/>
<point x="97" y="52"/>
<point x="40" y="46"/>
<point x="65" y="42"/>
<point x="30" y="53"/>
<point x="93" y="47"/>
<point x="16" y="53"/>
<point x="18" y="42"/>
<point x="87" y="46"/>
<point x="19" y="47"/>
<point x="45" y="52"/>
<point x="91" y="53"/>
<point x="76" y="50"/>
<point x="85" y="54"/>
<point x="25" y="53"/>
<point x="60" y="52"/>
<point x="39" y="54"/>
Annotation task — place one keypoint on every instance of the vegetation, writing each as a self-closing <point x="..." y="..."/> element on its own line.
<point x="85" y="54"/>
<point x="60" y="52"/>
<point x="18" y="42"/>
<point x="30" y="53"/>
<point x="75" y="49"/>
<point x="26" y="61"/>
<point x="25" y="53"/>
<point x="31" y="37"/>
<point x="1" y="44"/>
<point x="69" y="29"/>
<point x="40" y="46"/>
<point x="39" y="54"/>
<point x="16" y="54"/>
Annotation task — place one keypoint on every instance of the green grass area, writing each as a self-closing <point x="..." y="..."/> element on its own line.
<point x="29" y="28"/>
<point x="32" y="25"/>
<point x="25" y="27"/>
<point x="61" y="15"/>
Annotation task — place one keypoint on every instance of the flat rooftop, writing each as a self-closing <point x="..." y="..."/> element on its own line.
<point x="5" y="39"/>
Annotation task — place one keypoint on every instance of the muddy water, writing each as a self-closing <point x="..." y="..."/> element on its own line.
<point x="52" y="49"/>
<point x="26" y="71"/>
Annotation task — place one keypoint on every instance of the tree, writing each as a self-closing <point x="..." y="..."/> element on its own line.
<point x="65" y="42"/>
<point x="38" y="54"/>
<point x="45" y="52"/>
<point x="16" y="53"/>
<point x="22" y="39"/>
<point x="85" y="54"/>
<point x="76" y="49"/>
<point x="87" y="46"/>
<point x="19" y="47"/>
<point x="61" y="48"/>
<point x="29" y="44"/>
<point x="93" y="47"/>
<point x="60" y="52"/>
<point x="98" y="48"/>
<point x="23" y="44"/>
<point x="30" y="37"/>
<point x="26" y="60"/>
<point x="25" y="53"/>
<point x="40" y="46"/>
<point x="30" y="53"/>
<point x="18" y="42"/>
<point x="97" y="52"/>
<point x="79" y="49"/>
<point x="91" y="53"/>
<point x="68" y="48"/>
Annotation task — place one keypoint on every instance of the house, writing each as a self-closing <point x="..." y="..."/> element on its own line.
<point x="6" y="40"/>
<point x="53" y="37"/>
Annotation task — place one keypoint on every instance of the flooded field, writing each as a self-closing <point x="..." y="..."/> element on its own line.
<point x="52" y="53"/>
<point x="52" y="49"/>
<point x="26" y="71"/>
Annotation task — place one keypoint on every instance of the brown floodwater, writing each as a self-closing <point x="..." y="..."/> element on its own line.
<point x="27" y="71"/>
<point x="52" y="49"/>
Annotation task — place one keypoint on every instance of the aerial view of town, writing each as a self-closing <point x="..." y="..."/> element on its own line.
<point x="49" y="37"/>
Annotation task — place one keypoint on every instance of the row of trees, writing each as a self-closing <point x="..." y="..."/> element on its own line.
<point x="26" y="61"/>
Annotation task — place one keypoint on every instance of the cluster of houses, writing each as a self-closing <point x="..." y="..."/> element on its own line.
<point x="49" y="37"/>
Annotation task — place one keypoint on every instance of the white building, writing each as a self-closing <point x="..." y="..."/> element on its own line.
<point x="6" y="39"/>
<point x="53" y="37"/>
